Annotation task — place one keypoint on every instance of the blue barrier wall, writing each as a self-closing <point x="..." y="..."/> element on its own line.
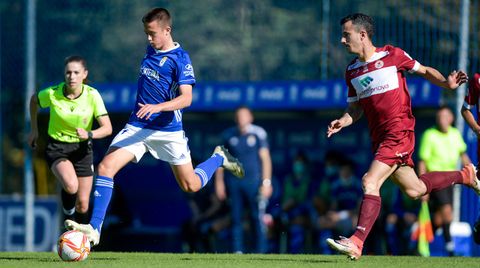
<point x="283" y="95"/>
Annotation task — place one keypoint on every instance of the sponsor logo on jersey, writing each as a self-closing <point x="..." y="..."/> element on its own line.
<point x="376" y="82"/>
<point x="366" y="81"/>
<point x="188" y="70"/>
<point x="379" y="64"/>
<point x="163" y="60"/>
<point x="150" y="73"/>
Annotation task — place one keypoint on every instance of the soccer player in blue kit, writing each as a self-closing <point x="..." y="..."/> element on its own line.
<point x="155" y="125"/>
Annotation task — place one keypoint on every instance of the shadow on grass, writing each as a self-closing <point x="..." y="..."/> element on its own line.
<point x="51" y="259"/>
<point x="264" y="259"/>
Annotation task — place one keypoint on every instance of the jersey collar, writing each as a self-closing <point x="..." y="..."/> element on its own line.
<point x="175" y="46"/>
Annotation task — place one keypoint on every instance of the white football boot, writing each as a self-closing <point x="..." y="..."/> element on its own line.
<point x="230" y="163"/>
<point x="92" y="234"/>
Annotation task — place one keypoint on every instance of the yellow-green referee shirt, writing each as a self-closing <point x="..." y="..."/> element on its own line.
<point x="441" y="151"/>
<point x="67" y="115"/>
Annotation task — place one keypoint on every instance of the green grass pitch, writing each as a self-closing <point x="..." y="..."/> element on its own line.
<point x="119" y="259"/>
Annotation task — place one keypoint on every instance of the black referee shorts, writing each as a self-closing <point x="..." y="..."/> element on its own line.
<point x="442" y="197"/>
<point x="79" y="153"/>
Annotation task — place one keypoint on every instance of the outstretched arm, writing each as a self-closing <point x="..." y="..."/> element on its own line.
<point x="183" y="100"/>
<point x="470" y="119"/>
<point x="454" y="79"/>
<point x="32" y="137"/>
<point x="351" y="115"/>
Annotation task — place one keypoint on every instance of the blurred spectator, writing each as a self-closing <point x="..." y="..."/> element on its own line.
<point x="247" y="142"/>
<point x="346" y="194"/>
<point x="399" y="220"/>
<point x="295" y="207"/>
<point x="209" y="216"/>
<point x="321" y="197"/>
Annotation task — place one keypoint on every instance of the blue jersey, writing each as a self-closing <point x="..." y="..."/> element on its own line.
<point x="161" y="74"/>
<point x="246" y="148"/>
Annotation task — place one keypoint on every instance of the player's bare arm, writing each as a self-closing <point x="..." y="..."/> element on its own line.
<point x="350" y="116"/>
<point x="180" y="102"/>
<point x="104" y="129"/>
<point x="454" y="79"/>
<point x="32" y="137"/>
<point x="266" y="187"/>
<point x="470" y="119"/>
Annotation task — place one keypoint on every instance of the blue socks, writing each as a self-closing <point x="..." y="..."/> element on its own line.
<point x="102" y="196"/>
<point x="206" y="169"/>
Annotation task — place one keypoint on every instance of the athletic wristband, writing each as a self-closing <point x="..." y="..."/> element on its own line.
<point x="267" y="182"/>
<point x="90" y="135"/>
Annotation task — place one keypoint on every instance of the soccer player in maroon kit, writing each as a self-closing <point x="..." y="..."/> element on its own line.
<point x="377" y="88"/>
<point x="472" y="99"/>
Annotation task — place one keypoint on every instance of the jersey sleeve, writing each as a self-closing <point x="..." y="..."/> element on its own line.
<point x="44" y="97"/>
<point x="352" y="93"/>
<point x="186" y="75"/>
<point x="404" y="62"/>
<point x="471" y="97"/>
<point x="262" y="136"/>
<point x="99" y="107"/>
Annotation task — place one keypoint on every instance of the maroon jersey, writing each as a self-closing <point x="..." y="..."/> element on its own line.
<point x="473" y="94"/>
<point x="380" y="87"/>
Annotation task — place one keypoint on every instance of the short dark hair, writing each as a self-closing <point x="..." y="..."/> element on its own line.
<point x="158" y="14"/>
<point x="360" y="20"/>
<point x="76" y="58"/>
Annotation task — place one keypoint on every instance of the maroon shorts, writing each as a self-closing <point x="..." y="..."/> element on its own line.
<point x="396" y="149"/>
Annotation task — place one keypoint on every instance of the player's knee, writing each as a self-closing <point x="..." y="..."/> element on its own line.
<point x="370" y="185"/>
<point x="70" y="187"/>
<point x="81" y="207"/>
<point x="413" y="194"/>
<point x="105" y="169"/>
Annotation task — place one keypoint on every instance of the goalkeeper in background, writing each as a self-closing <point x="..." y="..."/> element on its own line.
<point x="73" y="107"/>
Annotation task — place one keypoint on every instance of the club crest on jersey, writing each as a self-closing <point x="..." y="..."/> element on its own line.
<point x="379" y="64"/>
<point x="163" y="60"/>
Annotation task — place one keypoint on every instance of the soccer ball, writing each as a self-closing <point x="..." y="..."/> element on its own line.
<point x="73" y="246"/>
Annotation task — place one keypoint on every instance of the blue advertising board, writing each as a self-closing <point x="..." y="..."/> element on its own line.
<point x="12" y="224"/>
<point x="282" y="95"/>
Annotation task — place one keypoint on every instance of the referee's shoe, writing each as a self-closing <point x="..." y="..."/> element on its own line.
<point x="230" y="163"/>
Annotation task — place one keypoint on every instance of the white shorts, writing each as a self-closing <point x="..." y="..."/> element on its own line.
<point x="171" y="147"/>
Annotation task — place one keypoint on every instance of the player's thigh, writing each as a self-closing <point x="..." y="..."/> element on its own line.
<point x="65" y="172"/>
<point x="406" y="178"/>
<point x="376" y="175"/>
<point x="84" y="189"/>
<point x="114" y="160"/>
<point x="171" y="147"/>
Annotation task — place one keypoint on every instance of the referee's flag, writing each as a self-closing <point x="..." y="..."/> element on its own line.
<point x="424" y="233"/>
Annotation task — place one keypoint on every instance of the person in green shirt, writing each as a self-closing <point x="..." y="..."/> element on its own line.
<point x="73" y="107"/>
<point x="441" y="148"/>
